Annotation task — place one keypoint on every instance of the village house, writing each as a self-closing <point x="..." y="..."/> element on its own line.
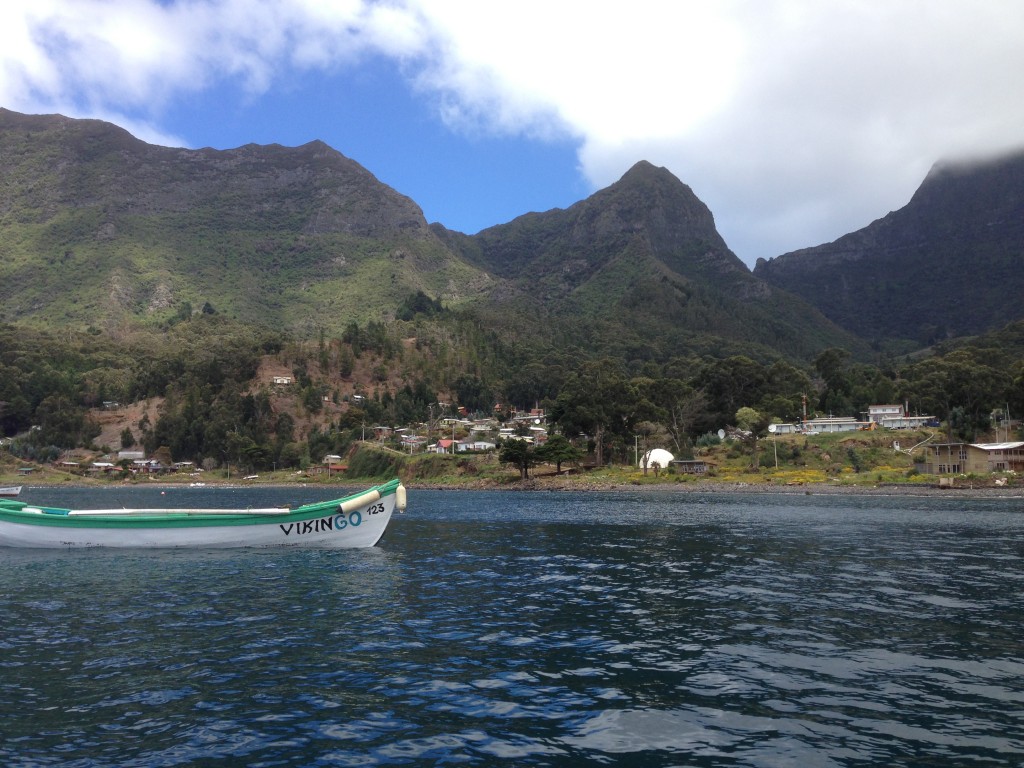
<point x="896" y="417"/>
<point x="690" y="466"/>
<point x="475" y="445"/>
<point x="878" y="413"/>
<point x="413" y="442"/>
<point x="887" y="416"/>
<point x="979" y="458"/>
<point x="834" y="424"/>
<point x="823" y="424"/>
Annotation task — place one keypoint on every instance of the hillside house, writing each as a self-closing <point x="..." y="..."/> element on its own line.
<point x="896" y="417"/>
<point x="413" y="442"/>
<point x="878" y="413"/>
<point x="834" y="424"/>
<point x="981" y="458"/>
<point x="787" y="429"/>
<point x="690" y="466"/>
<point x="476" y="445"/>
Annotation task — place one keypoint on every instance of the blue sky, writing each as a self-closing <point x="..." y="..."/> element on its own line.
<point x="795" y="122"/>
<point x="466" y="181"/>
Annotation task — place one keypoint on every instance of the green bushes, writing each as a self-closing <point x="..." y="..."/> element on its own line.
<point x="367" y="462"/>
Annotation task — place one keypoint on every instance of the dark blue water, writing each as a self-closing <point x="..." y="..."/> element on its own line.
<point x="536" y="629"/>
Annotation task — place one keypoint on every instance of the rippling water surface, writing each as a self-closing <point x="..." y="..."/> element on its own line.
<point x="532" y="629"/>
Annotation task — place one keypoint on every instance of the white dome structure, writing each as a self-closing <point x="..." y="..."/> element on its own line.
<point x="658" y="456"/>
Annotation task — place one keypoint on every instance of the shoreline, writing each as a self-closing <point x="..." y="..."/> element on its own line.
<point x="577" y="485"/>
<point x="712" y="488"/>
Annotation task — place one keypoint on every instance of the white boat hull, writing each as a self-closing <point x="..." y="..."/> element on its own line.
<point x="358" y="522"/>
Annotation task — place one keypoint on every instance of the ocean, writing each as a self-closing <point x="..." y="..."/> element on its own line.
<point x="622" y="628"/>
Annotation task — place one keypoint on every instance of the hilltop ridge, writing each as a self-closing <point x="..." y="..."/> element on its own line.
<point x="99" y="229"/>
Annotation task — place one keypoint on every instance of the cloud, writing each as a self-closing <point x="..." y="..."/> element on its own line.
<point x="839" y="110"/>
<point x="796" y="122"/>
<point x="611" y="76"/>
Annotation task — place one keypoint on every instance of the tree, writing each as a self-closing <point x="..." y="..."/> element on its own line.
<point x="646" y="430"/>
<point x="520" y="453"/>
<point x="599" y="400"/>
<point x="959" y="380"/>
<point x="61" y="423"/>
<point x="755" y="424"/>
<point x="558" y="449"/>
<point x="163" y="455"/>
<point x="831" y="365"/>
<point x="471" y="392"/>
<point x="728" y="385"/>
<point x="786" y="388"/>
<point x="680" y="406"/>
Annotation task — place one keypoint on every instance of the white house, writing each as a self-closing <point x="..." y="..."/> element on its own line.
<point x="834" y="424"/>
<point x="879" y="413"/>
<point x="475" y="445"/>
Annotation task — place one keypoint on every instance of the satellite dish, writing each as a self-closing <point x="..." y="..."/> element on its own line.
<point x="772" y="428"/>
<point x="721" y="434"/>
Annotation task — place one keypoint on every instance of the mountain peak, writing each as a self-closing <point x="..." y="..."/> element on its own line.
<point x="956" y="243"/>
<point x="648" y="213"/>
<point x="645" y="174"/>
<point x="652" y="199"/>
<point x="644" y="169"/>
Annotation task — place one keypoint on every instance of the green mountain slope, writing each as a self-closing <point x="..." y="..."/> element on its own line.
<point x="100" y="230"/>
<point x="950" y="263"/>
<point x="97" y="228"/>
<point x="639" y="268"/>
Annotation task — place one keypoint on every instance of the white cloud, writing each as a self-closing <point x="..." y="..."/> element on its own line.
<point x="796" y="122"/>
<point x="840" y="110"/>
<point x="610" y="74"/>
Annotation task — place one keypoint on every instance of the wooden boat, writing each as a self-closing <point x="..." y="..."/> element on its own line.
<point x="358" y="520"/>
<point x="10" y="490"/>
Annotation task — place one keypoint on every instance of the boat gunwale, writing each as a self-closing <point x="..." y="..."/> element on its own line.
<point x="182" y="518"/>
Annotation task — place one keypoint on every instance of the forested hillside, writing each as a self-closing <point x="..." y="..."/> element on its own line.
<point x="638" y="270"/>
<point x="150" y="296"/>
<point x="214" y="402"/>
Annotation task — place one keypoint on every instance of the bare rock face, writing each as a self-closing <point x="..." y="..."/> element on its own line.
<point x="162" y="298"/>
<point x="946" y="264"/>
